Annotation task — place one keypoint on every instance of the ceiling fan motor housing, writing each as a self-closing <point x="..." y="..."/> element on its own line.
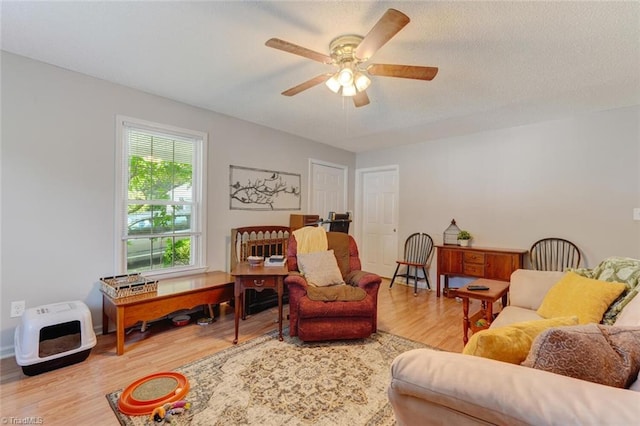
<point x="343" y="49"/>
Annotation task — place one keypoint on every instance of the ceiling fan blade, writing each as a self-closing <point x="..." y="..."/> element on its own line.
<point x="386" y="27"/>
<point x="307" y="85"/>
<point x="276" y="43"/>
<point x="361" y="99"/>
<point x="403" y="71"/>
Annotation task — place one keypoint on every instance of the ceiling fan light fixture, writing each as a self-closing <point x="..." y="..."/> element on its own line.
<point x="349" y="90"/>
<point x="345" y="76"/>
<point x="333" y="84"/>
<point x="362" y="82"/>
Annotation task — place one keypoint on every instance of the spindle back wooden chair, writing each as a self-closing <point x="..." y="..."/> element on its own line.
<point x="418" y="250"/>
<point x="554" y="254"/>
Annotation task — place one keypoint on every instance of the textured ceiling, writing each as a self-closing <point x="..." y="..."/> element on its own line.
<point x="501" y="64"/>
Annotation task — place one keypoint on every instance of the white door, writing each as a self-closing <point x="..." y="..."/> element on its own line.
<point x="377" y="217"/>
<point x="327" y="188"/>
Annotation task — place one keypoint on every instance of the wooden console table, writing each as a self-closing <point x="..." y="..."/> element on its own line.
<point x="257" y="278"/>
<point x="173" y="294"/>
<point x="477" y="262"/>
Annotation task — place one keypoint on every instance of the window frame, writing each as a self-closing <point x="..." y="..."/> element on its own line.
<point x="199" y="206"/>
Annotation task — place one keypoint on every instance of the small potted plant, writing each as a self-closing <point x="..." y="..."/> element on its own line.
<point x="463" y="238"/>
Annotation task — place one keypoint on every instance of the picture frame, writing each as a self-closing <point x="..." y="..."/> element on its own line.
<point x="262" y="189"/>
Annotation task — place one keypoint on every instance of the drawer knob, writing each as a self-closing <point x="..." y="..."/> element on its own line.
<point x="258" y="283"/>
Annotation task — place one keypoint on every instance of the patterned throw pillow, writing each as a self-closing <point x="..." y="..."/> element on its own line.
<point x="597" y="353"/>
<point x="320" y="268"/>
<point x="619" y="269"/>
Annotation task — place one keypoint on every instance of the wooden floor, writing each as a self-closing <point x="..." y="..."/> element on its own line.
<point x="75" y="395"/>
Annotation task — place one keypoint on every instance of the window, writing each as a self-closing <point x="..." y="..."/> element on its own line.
<point x="160" y="203"/>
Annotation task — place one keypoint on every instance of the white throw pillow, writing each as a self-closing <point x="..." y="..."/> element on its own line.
<point x="320" y="268"/>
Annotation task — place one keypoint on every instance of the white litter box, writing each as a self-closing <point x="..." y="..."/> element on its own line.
<point x="53" y="336"/>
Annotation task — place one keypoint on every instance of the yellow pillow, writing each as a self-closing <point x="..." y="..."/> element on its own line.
<point x="577" y="295"/>
<point x="535" y="327"/>
<point x="511" y="343"/>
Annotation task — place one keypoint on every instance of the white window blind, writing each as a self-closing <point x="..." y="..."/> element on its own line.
<point x="161" y="227"/>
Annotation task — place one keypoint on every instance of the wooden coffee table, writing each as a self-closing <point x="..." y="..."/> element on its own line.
<point x="173" y="294"/>
<point x="497" y="290"/>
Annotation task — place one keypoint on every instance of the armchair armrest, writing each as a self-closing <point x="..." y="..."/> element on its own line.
<point x="363" y="279"/>
<point x="297" y="286"/>
<point x="296" y="278"/>
<point x="528" y="287"/>
<point x="436" y="387"/>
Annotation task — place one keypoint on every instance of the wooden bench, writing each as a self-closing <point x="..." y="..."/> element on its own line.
<point x="173" y="294"/>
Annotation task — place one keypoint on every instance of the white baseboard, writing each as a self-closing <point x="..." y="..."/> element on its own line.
<point x="7" y="352"/>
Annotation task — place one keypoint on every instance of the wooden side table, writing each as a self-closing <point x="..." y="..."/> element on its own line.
<point x="257" y="278"/>
<point x="497" y="290"/>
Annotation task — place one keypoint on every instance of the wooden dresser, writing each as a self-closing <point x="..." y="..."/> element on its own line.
<point x="478" y="262"/>
<point x="297" y="221"/>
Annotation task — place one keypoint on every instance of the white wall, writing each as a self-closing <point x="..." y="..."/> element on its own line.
<point x="58" y="159"/>
<point x="577" y="178"/>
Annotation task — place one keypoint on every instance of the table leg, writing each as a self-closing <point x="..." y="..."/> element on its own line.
<point x="105" y="318"/>
<point x="238" y="306"/>
<point x="445" y="287"/>
<point x="243" y="311"/>
<point x="489" y="312"/>
<point x="120" y="330"/>
<point x="465" y="319"/>
<point x="280" y="291"/>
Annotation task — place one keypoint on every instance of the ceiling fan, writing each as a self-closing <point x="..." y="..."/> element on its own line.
<point x="349" y="52"/>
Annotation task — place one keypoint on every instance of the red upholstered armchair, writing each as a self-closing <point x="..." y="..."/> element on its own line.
<point x="314" y="320"/>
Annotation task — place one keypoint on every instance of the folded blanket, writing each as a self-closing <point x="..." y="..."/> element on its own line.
<point x="311" y="239"/>
<point x="334" y="293"/>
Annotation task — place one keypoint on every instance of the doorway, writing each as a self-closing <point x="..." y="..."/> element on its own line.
<point x="327" y="188"/>
<point x="377" y="212"/>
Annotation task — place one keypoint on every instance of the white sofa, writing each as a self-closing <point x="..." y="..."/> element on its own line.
<point x="430" y="387"/>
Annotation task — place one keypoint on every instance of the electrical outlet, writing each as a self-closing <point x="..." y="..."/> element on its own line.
<point x="636" y="213"/>
<point x="17" y="308"/>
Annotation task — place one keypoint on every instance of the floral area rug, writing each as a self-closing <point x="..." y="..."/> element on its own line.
<point x="268" y="382"/>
